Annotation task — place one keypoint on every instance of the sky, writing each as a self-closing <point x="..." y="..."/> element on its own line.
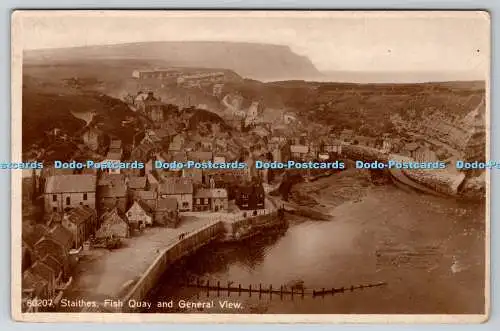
<point x="333" y="41"/>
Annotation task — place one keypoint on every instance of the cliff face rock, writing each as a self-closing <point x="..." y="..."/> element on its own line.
<point x="252" y="60"/>
<point x="474" y="188"/>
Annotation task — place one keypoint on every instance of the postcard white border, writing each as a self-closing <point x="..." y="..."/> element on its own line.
<point x="16" y="177"/>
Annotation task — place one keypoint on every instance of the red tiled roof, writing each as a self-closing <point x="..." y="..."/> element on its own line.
<point x="112" y="191"/>
<point x="179" y="157"/>
<point x="112" y="216"/>
<point x="145" y="195"/>
<point x="107" y="179"/>
<point x="61" y="235"/>
<point x="114" y="155"/>
<point x="200" y="156"/>
<point x="79" y="214"/>
<point x="52" y="262"/>
<point x="144" y="206"/>
<point x="137" y="182"/>
<point x="70" y="183"/>
<point x="174" y="185"/>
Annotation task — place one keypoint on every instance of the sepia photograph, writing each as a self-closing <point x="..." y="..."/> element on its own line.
<point x="250" y="166"/>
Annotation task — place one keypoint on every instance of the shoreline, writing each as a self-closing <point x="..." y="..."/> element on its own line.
<point x="112" y="275"/>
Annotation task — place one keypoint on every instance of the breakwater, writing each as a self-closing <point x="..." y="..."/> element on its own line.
<point x="440" y="181"/>
<point x="223" y="230"/>
<point x="449" y="248"/>
<point x="252" y="224"/>
<point x="281" y="291"/>
<point x="171" y="254"/>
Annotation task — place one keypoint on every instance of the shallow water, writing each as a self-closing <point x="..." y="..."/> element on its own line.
<point x="429" y="250"/>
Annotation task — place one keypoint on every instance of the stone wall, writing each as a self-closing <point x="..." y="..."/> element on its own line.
<point x="170" y="255"/>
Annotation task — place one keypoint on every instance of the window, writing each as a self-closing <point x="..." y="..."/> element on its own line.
<point x="68" y="201"/>
<point x="206" y="201"/>
<point x="84" y="196"/>
<point x="198" y="201"/>
<point x="185" y="205"/>
<point x="54" y="197"/>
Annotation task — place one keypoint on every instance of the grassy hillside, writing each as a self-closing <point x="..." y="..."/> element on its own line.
<point x="367" y="106"/>
<point x="51" y="92"/>
<point x="111" y="77"/>
<point x="47" y="106"/>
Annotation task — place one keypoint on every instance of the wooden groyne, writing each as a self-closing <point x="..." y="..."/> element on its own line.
<point x="221" y="289"/>
<point x="189" y="243"/>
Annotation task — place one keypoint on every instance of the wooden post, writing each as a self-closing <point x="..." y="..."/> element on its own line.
<point x="239" y="289"/>
<point x="228" y="289"/>
<point x="323" y="292"/>
<point x="250" y="290"/>
<point x="270" y="291"/>
<point x="281" y="292"/>
<point x="208" y="288"/>
<point x="218" y="287"/>
<point x="333" y="290"/>
<point x="292" y="292"/>
<point x="314" y="293"/>
<point x="302" y="292"/>
<point x="352" y="288"/>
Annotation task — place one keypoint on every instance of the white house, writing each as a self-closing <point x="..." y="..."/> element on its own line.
<point x="139" y="214"/>
<point x="112" y="158"/>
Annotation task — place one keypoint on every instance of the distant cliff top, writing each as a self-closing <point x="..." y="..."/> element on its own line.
<point x="252" y="60"/>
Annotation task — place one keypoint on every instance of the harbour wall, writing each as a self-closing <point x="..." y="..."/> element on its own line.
<point x="440" y="181"/>
<point x="174" y="252"/>
<point x="218" y="229"/>
<point x="251" y="224"/>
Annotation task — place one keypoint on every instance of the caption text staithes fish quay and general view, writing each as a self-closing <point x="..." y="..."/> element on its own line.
<point x="164" y="170"/>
